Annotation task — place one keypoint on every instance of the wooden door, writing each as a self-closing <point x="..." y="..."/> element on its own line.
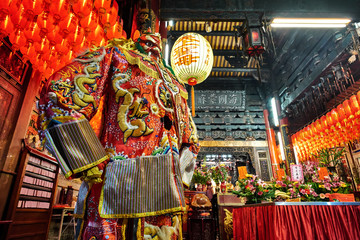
<point x="10" y="103"/>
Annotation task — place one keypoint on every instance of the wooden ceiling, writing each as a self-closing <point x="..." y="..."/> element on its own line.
<point x="229" y="61"/>
<point x="295" y="61"/>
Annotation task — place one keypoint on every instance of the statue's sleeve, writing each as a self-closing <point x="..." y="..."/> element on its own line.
<point x="189" y="146"/>
<point x="67" y="103"/>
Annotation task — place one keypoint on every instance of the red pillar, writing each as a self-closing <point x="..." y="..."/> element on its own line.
<point x="288" y="150"/>
<point x="270" y="134"/>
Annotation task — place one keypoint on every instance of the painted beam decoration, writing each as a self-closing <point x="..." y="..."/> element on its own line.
<point x="220" y="100"/>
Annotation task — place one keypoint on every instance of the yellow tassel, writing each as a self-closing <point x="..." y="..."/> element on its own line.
<point x="180" y="226"/>
<point x="192" y="101"/>
<point x="138" y="232"/>
<point x="123" y="228"/>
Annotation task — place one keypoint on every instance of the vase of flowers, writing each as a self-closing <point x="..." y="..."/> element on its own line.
<point x="254" y="189"/>
<point x="201" y="177"/>
<point x="219" y="173"/>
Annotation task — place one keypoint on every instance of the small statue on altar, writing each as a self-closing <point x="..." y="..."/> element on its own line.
<point x="237" y="186"/>
<point x="229" y="185"/>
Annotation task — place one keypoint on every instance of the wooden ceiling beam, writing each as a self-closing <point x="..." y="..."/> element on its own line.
<point x="230" y="79"/>
<point x="240" y="9"/>
<point x="177" y="34"/>
<point x="246" y="70"/>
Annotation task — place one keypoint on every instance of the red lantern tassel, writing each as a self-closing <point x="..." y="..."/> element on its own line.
<point x="192" y="101"/>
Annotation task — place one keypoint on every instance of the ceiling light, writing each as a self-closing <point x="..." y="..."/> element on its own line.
<point x="310" y="22"/>
<point x="281" y="146"/>
<point x="208" y="27"/>
<point x="274" y="112"/>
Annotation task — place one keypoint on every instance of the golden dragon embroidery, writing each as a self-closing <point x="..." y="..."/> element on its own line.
<point x="135" y="127"/>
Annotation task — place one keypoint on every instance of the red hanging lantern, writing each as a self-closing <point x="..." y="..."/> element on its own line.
<point x="59" y="10"/>
<point x="329" y="119"/>
<point x="89" y="23"/>
<point x="82" y="8"/>
<point x="62" y="48"/>
<point x="109" y="19"/>
<point x="77" y="38"/>
<point x="324" y="124"/>
<point x="341" y="111"/>
<point x="54" y="37"/>
<point x="6" y="27"/>
<point x="42" y="49"/>
<point x="4" y="9"/>
<point x="318" y="126"/>
<point x="28" y="53"/>
<point x="32" y="34"/>
<point x="17" y="15"/>
<point x="68" y="25"/>
<point x="67" y="57"/>
<point x="32" y="8"/>
<point x="77" y="49"/>
<point x="102" y="6"/>
<point x="347" y="108"/>
<point x="115" y="31"/>
<point x="96" y="36"/>
<point x="354" y="104"/>
<point x="17" y="40"/>
<point x="335" y="117"/>
<point x="46" y="24"/>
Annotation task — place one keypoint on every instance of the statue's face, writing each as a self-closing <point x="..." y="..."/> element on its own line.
<point x="151" y="44"/>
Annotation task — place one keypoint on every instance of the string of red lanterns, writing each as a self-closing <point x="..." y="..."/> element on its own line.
<point x="50" y="33"/>
<point x="337" y="127"/>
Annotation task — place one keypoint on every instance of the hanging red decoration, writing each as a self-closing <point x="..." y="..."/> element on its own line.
<point x="89" y="23"/>
<point x="54" y="37"/>
<point x="82" y="8"/>
<point x="62" y="48"/>
<point x="115" y="31"/>
<point x="6" y="27"/>
<point x="68" y="25"/>
<point x="109" y="19"/>
<point x="354" y="104"/>
<point x="17" y="39"/>
<point x="4" y="9"/>
<point x="42" y="48"/>
<point x="75" y="40"/>
<point x="17" y="15"/>
<point x="48" y="33"/>
<point x="96" y="36"/>
<point x="68" y="57"/>
<point x="27" y="52"/>
<point x="59" y="10"/>
<point x="340" y="125"/>
<point x="32" y="34"/>
<point x="46" y="24"/>
<point x="102" y="6"/>
<point x="32" y="8"/>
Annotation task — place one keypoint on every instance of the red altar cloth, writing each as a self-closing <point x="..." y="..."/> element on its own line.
<point x="297" y="221"/>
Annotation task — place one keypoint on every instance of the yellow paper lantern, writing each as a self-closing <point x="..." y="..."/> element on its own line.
<point x="192" y="60"/>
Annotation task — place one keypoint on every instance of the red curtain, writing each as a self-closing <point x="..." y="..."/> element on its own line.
<point x="297" y="222"/>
